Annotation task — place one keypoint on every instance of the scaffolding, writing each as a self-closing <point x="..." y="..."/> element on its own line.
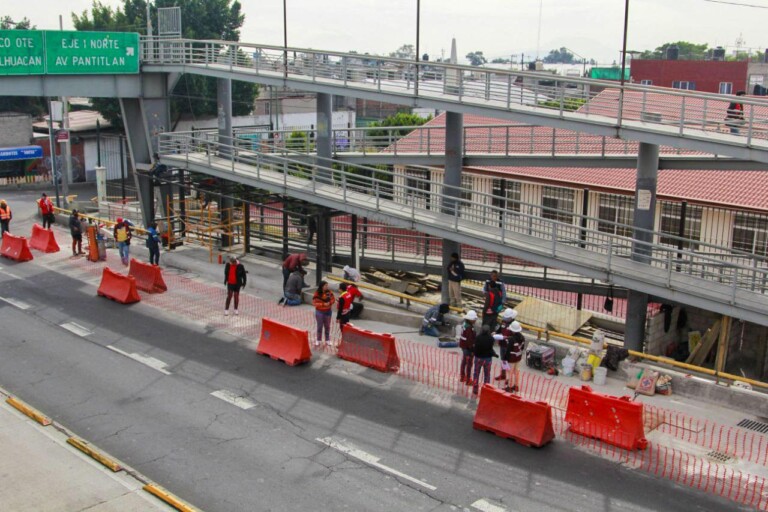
<point x="196" y="222"/>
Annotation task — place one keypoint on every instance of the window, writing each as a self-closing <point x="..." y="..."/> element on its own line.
<point x="507" y="194"/>
<point x="690" y="86"/>
<point x="750" y="233"/>
<point x="726" y="88"/>
<point x="671" y="214"/>
<point x="417" y="187"/>
<point x="619" y="209"/>
<point x="646" y="82"/>
<point x="557" y="204"/>
<point x="467" y="184"/>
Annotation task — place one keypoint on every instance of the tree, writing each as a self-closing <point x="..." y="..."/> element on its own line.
<point x="560" y="56"/>
<point x="211" y="19"/>
<point x="476" y="58"/>
<point x="387" y="137"/>
<point x="500" y="60"/>
<point x="407" y="51"/>
<point x="687" y="51"/>
<point x="31" y="105"/>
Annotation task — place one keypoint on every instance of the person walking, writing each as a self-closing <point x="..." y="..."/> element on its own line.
<point x="344" y="312"/>
<point x="5" y="217"/>
<point x="46" y="211"/>
<point x="432" y="318"/>
<point x="515" y="349"/>
<point x="291" y="263"/>
<point x="734" y="115"/>
<point x="503" y="335"/>
<point x="123" y="235"/>
<point x="292" y="291"/>
<point x="235" y="278"/>
<point x="467" y="345"/>
<point x="153" y="244"/>
<point x="484" y="354"/>
<point x="323" y="301"/>
<point x="76" y="230"/>
<point x="455" y="271"/>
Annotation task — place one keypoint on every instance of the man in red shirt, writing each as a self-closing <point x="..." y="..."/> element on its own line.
<point x="345" y="305"/>
<point x="46" y="210"/>
<point x="293" y="262"/>
<point x="234" y="278"/>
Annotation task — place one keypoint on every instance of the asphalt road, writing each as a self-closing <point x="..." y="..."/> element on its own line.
<point x="325" y="436"/>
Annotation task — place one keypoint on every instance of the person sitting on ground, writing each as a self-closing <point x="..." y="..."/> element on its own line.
<point x="292" y="292"/>
<point x="432" y="318"/>
<point x="351" y="273"/>
<point x="484" y="354"/>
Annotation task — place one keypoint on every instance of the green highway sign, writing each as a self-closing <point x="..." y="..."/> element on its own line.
<point x="66" y="52"/>
<point x="78" y="53"/>
<point x="21" y="52"/>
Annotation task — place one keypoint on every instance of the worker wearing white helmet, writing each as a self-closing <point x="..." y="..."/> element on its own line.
<point x="503" y="334"/>
<point x="467" y="344"/>
<point x="515" y="349"/>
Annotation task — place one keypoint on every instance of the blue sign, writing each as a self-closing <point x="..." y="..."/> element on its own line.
<point x="23" y="153"/>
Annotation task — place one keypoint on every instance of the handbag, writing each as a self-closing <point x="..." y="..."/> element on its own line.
<point x="608" y="304"/>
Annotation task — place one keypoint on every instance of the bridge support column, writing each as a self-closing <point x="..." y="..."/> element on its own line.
<point x="324" y="244"/>
<point x="454" y="160"/>
<point x="224" y="109"/>
<point x="644" y="218"/>
<point x="324" y="127"/>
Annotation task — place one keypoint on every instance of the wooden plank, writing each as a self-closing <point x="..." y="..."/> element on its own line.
<point x="707" y="342"/>
<point x="722" y="344"/>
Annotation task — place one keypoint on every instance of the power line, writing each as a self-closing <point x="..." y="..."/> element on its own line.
<point x="738" y="4"/>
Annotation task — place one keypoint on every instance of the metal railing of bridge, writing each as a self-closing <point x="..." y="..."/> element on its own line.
<point x="670" y="112"/>
<point x="466" y="211"/>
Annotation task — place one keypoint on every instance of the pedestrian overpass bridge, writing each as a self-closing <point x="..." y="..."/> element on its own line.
<point x="714" y="278"/>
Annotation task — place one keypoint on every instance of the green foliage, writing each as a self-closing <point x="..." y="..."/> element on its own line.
<point x="569" y="104"/>
<point x="559" y="56"/>
<point x="500" y="60"/>
<point x="399" y="119"/>
<point x="407" y="51"/>
<point x="476" y="58"/>
<point x="193" y="95"/>
<point x="687" y="51"/>
<point x="7" y="23"/>
<point x="299" y="141"/>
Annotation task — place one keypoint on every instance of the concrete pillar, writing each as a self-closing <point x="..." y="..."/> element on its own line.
<point x="644" y="217"/>
<point x="324" y="138"/>
<point x="454" y="159"/>
<point x="101" y="184"/>
<point x="324" y="241"/>
<point x="224" y="109"/>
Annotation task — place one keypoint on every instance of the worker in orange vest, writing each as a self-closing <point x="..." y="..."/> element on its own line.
<point x="5" y="216"/>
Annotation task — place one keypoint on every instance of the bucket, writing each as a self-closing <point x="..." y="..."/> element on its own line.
<point x="568" y="365"/>
<point x="601" y="373"/>
<point x="586" y="372"/>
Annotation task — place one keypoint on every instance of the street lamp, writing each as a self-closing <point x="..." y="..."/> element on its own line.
<point x="623" y="61"/>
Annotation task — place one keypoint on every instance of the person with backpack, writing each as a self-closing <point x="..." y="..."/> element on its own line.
<point x="734" y="115"/>
<point x="153" y="244"/>
<point x="323" y="300"/>
<point x="123" y="234"/>
<point x="46" y="211"/>
<point x="235" y="278"/>
<point x="76" y="230"/>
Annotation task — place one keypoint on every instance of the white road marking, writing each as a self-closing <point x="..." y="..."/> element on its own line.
<point x="76" y="329"/>
<point x="15" y="302"/>
<point x="234" y="399"/>
<point x="153" y="363"/>
<point x="371" y="460"/>
<point x="9" y="274"/>
<point x="486" y="506"/>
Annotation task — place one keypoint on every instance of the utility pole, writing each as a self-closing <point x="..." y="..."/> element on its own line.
<point x="66" y="173"/>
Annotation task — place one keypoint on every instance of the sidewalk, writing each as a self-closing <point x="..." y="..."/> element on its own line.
<point x="42" y="473"/>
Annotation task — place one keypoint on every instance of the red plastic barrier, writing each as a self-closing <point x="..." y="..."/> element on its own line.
<point x="283" y="342"/>
<point x="118" y="287"/>
<point x="377" y="351"/>
<point x="43" y="240"/>
<point x="148" y="277"/>
<point x="511" y="417"/>
<point x="615" y="420"/>
<point x="15" y="248"/>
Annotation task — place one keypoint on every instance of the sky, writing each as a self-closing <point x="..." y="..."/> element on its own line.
<point x="498" y="28"/>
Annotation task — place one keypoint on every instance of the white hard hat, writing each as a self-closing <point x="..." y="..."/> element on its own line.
<point x="471" y="316"/>
<point x="515" y="327"/>
<point x="509" y="314"/>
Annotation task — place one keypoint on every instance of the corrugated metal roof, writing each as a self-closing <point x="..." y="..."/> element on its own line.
<point x="79" y="121"/>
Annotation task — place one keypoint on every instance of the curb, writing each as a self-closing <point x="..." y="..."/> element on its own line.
<point x="28" y="410"/>
<point x="84" y="447"/>
<point x="169" y="498"/>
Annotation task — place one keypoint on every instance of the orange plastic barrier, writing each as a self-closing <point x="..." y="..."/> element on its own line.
<point x="377" y="351"/>
<point x="615" y="420"/>
<point x="509" y="416"/>
<point x="118" y="287"/>
<point x="148" y="277"/>
<point x="15" y="248"/>
<point x="43" y="240"/>
<point x="283" y="342"/>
